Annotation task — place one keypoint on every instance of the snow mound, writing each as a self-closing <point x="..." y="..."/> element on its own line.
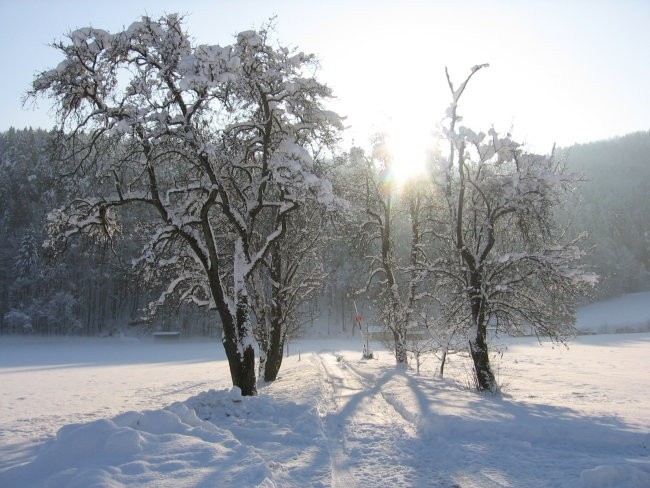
<point x="194" y="441"/>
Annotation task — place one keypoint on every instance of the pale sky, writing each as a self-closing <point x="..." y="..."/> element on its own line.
<point x="560" y="71"/>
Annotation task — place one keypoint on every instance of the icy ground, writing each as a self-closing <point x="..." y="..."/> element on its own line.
<point x="109" y="413"/>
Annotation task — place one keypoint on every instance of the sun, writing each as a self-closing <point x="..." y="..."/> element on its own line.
<point x="408" y="151"/>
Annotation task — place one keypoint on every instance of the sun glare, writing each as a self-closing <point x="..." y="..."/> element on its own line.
<point x="408" y="153"/>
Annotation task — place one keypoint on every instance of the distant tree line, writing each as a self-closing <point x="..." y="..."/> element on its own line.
<point x="91" y="289"/>
<point x="613" y="208"/>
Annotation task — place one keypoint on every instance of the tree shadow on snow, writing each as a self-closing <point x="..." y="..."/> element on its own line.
<point x="494" y="441"/>
<point x="467" y="439"/>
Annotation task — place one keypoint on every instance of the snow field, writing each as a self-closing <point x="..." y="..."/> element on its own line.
<point x="626" y="313"/>
<point x="574" y="417"/>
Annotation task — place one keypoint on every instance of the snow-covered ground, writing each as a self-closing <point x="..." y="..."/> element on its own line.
<point x="113" y="413"/>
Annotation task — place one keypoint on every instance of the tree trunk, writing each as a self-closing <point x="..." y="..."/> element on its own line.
<point x="248" y="384"/>
<point x="274" y="353"/>
<point x="401" y="356"/>
<point x="263" y="343"/>
<point x="238" y="343"/>
<point x="245" y="341"/>
<point x="242" y="367"/>
<point x="277" y="333"/>
<point x="443" y="360"/>
<point x="479" y="350"/>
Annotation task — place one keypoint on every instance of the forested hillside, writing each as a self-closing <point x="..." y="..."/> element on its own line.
<point x="93" y="289"/>
<point x="613" y="207"/>
<point x="89" y="289"/>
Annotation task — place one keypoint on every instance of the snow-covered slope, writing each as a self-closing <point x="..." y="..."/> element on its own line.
<point x="144" y="415"/>
<point x="627" y="313"/>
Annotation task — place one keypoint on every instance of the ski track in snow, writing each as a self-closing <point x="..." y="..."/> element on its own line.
<point x="371" y="441"/>
<point x="341" y="476"/>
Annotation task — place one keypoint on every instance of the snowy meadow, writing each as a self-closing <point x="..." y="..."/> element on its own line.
<point x="120" y="412"/>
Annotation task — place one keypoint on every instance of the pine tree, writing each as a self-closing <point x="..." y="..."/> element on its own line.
<point x="27" y="256"/>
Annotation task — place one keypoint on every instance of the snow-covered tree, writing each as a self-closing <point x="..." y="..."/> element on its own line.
<point x="395" y="280"/>
<point x="17" y="320"/>
<point x="291" y="276"/>
<point x="27" y="257"/>
<point x="215" y="141"/>
<point x="60" y="313"/>
<point x="505" y="263"/>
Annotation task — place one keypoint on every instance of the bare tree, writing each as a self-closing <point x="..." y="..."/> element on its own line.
<point x="505" y="263"/>
<point x="214" y="141"/>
